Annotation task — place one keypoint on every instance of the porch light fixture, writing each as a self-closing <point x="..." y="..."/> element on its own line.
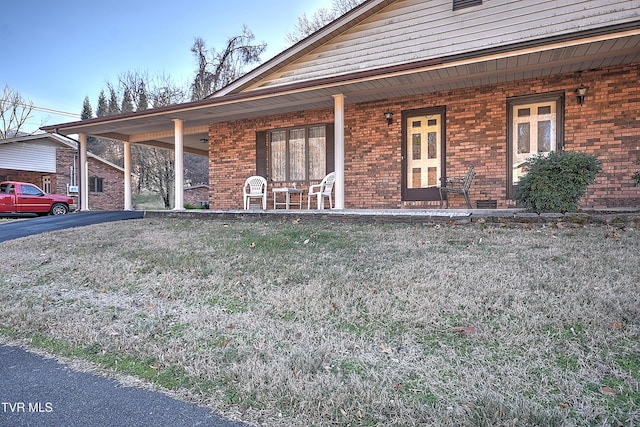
<point x="581" y="92"/>
<point x="389" y="116"/>
<point x="204" y="140"/>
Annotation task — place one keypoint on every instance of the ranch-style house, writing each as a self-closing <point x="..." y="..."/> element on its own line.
<point x="397" y="94"/>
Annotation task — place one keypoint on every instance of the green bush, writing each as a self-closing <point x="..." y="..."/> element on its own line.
<point x="557" y="182"/>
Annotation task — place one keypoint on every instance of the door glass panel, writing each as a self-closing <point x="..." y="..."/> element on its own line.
<point x="432" y="144"/>
<point x="424" y="151"/>
<point x="544" y="136"/>
<point x="417" y="146"/>
<point x="524" y="138"/>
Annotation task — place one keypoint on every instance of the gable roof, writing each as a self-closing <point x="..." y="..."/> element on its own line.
<point x="371" y="53"/>
<point x="381" y="34"/>
<point x="307" y="45"/>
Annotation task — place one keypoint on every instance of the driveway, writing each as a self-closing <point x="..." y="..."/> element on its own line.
<point x="28" y="226"/>
<point x="37" y="391"/>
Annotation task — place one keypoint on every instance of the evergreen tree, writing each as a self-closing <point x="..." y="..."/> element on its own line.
<point x="114" y="108"/>
<point x="87" y="111"/>
<point x="127" y="102"/>
<point x="103" y="107"/>
<point x="143" y="101"/>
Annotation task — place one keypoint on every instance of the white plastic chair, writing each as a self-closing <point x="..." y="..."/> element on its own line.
<point x="255" y="187"/>
<point x="322" y="190"/>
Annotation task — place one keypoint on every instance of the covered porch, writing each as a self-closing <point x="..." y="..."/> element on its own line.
<point x="191" y="127"/>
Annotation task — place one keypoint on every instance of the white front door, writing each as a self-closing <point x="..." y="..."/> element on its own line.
<point x="423" y="153"/>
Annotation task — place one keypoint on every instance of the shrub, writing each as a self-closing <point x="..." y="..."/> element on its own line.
<point x="190" y="206"/>
<point x="557" y="182"/>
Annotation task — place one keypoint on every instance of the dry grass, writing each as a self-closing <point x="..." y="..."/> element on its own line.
<point x="312" y="324"/>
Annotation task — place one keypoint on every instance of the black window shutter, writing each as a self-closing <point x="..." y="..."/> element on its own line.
<point x="329" y="138"/>
<point x="261" y="153"/>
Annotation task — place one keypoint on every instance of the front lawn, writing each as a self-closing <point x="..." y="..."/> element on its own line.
<point x="298" y="324"/>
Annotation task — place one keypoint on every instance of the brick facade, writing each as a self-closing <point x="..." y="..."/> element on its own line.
<point x="196" y="195"/>
<point x="112" y="195"/>
<point x="607" y="124"/>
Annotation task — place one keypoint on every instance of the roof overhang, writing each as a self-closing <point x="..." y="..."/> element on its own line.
<point x="568" y="54"/>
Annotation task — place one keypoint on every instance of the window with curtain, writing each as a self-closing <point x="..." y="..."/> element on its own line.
<point x="298" y="154"/>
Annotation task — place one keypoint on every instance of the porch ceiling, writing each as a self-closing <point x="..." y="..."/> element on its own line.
<point x="155" y="127"/>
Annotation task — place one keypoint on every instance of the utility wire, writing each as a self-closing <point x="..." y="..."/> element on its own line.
<point x="47" y="110"/>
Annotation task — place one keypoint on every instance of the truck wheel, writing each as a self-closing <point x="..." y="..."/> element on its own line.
<point x="59" y="209"/>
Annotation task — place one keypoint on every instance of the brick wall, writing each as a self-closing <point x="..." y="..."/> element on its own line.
<point x="112" y="195"/>
<point x="64" y="161"/>
<point x="196" y="194"/>
<point x="607" y="125"/>
<point x="232" y="150"/>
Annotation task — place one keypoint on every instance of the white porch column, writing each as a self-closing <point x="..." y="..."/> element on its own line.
<point x="83" y="166"/>
<point x="338" y="108"/>
<point x="178" y="166"/>
<point x="127" y="176"/>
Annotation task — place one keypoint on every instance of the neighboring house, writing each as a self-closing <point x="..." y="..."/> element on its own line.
<point x="50" y="161"/>
<point x="196" y="195"/>
<point x="397" y="94"/>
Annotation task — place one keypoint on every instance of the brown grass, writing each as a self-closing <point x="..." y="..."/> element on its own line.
<point x="286" y="324"/>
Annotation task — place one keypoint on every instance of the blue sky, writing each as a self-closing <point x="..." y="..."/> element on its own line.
<point x="57" y="52"/>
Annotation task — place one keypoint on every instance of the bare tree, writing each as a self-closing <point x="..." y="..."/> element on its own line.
<point x="15" y="111"/>
<point x="305" y="26"/>
<point x="155" y="166"/>
<point x="344" y="6"/>
<point x="217" y="69"/>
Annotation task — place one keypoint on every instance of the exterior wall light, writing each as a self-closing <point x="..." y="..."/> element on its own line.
<point x="581" y="92"/>
<point x="389" y="116"/>
<point x="204" y="140"/>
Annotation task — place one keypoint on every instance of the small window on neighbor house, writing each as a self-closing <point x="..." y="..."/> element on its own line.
<point x="461" y="4"/>
<point x="95" y="184"/>
<point x="46" y="184"/>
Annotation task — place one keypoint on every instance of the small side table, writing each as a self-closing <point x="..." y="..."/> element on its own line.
<point x="287" y="193"/>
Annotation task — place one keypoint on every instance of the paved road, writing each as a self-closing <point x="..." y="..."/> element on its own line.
<point x="35" y="391"/>
<point x="29" y="226"/>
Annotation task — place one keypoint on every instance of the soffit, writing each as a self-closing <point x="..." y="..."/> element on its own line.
<point x="155" y="127"/>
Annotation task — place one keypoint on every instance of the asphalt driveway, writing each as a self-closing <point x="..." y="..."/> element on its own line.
<point x="28" y="226"/>
<point x="36" y="391"/>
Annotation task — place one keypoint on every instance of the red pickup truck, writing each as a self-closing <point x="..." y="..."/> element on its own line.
<point x="22" y="197"/>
